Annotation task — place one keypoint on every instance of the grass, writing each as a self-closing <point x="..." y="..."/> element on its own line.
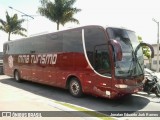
<point x="83" y="110"/>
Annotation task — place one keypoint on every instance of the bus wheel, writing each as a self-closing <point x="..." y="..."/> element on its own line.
<point x="157" y="93"/>
<point x="17" y="76"/>
<point x="75" y="87"/>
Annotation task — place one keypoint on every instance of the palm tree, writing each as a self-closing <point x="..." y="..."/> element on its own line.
<point x="59" y="11"/>
<point x="12" y="25"/>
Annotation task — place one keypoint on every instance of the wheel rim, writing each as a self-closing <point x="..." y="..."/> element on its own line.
<point x="157" y="93"/>
<point x="16" y="76"/>
<point x="75" y="88"/>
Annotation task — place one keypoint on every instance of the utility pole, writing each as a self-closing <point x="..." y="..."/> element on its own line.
<point x="157" y="43"/>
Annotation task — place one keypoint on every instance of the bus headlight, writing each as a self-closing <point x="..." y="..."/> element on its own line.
<point x="121" y="86"/>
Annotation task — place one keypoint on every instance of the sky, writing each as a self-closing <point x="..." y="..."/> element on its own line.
<point x="135" y="15"/>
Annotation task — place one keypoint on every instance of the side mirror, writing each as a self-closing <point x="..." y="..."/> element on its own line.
<point x="117" y="49"/>
<point x="145" y="44"/>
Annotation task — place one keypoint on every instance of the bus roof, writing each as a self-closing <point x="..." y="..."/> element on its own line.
<point x="104" y="27"/>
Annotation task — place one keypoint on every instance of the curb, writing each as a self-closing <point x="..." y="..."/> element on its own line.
<point x="85" y="113"/>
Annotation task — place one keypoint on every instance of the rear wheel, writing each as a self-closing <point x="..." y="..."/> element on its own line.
<point x="17" y="76"/>
<point x="75" y="87"/>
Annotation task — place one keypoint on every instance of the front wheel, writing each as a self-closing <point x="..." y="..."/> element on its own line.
<point x="17" y="76"/>
<point x="157" y="93"/>
<point x="75" y="87"/>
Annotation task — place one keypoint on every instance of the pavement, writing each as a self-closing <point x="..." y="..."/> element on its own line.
<point x="16" y="99"/>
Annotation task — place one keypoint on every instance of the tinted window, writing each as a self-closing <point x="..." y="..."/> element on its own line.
<point x="46" y="43"/>
<point x="20" y="47"/>
<point x="54" y="43"/>
<point x="67" y="41"/>
<point x="23" y="47"/>
<point x="39" y="44"/>
<point x="97" y="50"/>
<point x="72" y="41"/>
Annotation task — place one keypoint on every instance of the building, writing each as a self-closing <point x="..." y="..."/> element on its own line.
<point x="153" y="60"/>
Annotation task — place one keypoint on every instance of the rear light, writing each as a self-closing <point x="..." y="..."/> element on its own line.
<point x="121" y="86"/>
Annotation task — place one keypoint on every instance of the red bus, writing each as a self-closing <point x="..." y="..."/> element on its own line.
<point x="106" y="62"/>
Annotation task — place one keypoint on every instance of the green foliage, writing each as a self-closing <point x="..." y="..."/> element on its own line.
<point x="12" y="25"/>
<point x="146" y="50"/>
<point x="59" y="11"/>
<point x="140" y="38"/>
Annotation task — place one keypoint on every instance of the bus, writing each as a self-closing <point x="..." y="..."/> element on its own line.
<point x="101" y="61"/>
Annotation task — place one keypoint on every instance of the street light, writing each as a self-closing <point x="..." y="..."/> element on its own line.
<point x="157" y="43"/>
<point x="24" y="14"/>
<point x="21" y="12"/>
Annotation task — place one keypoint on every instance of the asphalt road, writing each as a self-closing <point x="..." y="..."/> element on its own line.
<point x="44" y="94"/>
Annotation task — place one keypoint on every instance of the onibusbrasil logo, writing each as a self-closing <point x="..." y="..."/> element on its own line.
<point x="10" y="61"/>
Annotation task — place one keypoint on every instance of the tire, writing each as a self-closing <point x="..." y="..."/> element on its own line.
<point x="17" y="76"/>
<point x="157" y="93"/>
<point x="75" y="87"/>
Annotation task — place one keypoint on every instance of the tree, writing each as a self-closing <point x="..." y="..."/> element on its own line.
<point x="59" y="11"/>
<point x="146" y="51"/>
<point x="12" y="25"/>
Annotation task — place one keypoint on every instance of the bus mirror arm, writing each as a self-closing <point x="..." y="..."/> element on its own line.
<point x="145" y="44"/>
<point x="117" y="49"/>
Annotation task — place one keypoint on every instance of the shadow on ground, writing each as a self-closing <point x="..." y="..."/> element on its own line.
<point x="127" y="103"/>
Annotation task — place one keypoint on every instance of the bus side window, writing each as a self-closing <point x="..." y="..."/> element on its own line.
<point x="53" y="43"/>
<point x="102" y="62"/>
<point x="72" y="41"/>
<point x="97" y="50"/>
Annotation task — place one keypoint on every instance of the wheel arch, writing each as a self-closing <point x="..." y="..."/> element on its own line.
<point x="17" y="71"/>
<point x="69" y="78"/>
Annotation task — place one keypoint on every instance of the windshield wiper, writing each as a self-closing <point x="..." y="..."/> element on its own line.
<point x="135" y="61"/>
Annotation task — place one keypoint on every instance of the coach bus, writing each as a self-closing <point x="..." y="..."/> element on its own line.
<point x="102" y="61"/>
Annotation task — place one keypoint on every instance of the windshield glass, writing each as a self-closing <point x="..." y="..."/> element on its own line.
<point x="130" y="65"/>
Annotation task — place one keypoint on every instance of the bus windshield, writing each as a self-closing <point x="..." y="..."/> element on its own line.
<point x="131" y="63"/>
